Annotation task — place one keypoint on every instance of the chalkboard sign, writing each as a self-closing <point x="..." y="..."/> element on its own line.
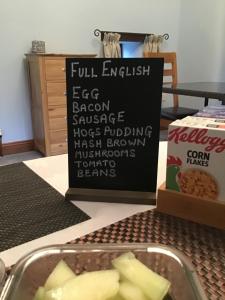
<point x="113" y="108"/>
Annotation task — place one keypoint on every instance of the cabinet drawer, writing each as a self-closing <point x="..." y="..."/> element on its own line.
<point x="56" y="94"/>
<point x="55" y="69"/>
<point x="56" y="89"/>
<point x="58" y="136"/>
<point x="57" y="118"/>
<point x="57" y="112"/>
<point x="58" y="123"/>
<point x="59" y="148"/>
<point x="56" y="101"/>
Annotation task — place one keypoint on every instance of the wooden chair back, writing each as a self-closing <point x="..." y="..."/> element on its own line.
<point x="170" y="69"/>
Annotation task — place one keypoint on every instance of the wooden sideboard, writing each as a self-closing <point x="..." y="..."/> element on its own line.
<point x="47" y="80"/>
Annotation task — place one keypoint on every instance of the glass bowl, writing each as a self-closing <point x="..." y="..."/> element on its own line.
<point x="31" y="271"/>
<point x="2" y="273"/>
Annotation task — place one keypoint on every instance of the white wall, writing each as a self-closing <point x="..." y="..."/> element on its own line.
<point x="196" y="28"/>
<point x="201" y="43"/>
<point x="201" y="39"/>
<point x="65" y="26"/>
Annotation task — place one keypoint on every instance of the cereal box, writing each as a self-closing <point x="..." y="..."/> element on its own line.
<point x="196" y="157"/>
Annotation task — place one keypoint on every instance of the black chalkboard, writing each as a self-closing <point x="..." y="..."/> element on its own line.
<point x="113" y="108"/>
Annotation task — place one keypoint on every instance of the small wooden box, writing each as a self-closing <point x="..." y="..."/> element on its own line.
<point x="191" y="208"/>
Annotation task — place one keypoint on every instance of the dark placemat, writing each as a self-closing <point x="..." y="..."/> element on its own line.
<point x="30" y="208"/>
<point x="205" y="246"/>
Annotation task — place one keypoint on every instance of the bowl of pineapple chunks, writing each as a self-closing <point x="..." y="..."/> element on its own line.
<point x="103" y="272"/>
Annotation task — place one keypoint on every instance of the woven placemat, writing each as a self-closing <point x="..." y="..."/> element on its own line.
<point x="30" y="208"/>
<point x="205" y="246"/>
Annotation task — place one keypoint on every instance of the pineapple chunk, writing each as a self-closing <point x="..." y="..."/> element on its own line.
<point x="39" y="295"/>
<point x="154" y="286"/>
<point x="97" y="285"/>
<point x="129" y="291"/>
<point x="116" y="297"/>
<point x="60" y="274"/>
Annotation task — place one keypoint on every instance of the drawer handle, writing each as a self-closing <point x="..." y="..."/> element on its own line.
<point x="65" y="117"/>
<point x="66" y="140"/>
<point x="63" y="69"/>
<point x="65" y="93"/>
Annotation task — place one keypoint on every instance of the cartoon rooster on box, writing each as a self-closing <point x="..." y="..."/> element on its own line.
<point x="173" y="173"/>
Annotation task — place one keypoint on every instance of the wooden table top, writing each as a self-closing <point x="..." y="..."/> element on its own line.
<point x="213" y="90"/>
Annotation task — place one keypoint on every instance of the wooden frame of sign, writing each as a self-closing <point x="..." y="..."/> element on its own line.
<point x="113" y="116"/>
<point x="111" y="196"/>
<point x="189" y="207"/>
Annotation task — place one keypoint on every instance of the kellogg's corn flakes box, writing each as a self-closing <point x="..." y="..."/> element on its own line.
<point x="196" y="157"/>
